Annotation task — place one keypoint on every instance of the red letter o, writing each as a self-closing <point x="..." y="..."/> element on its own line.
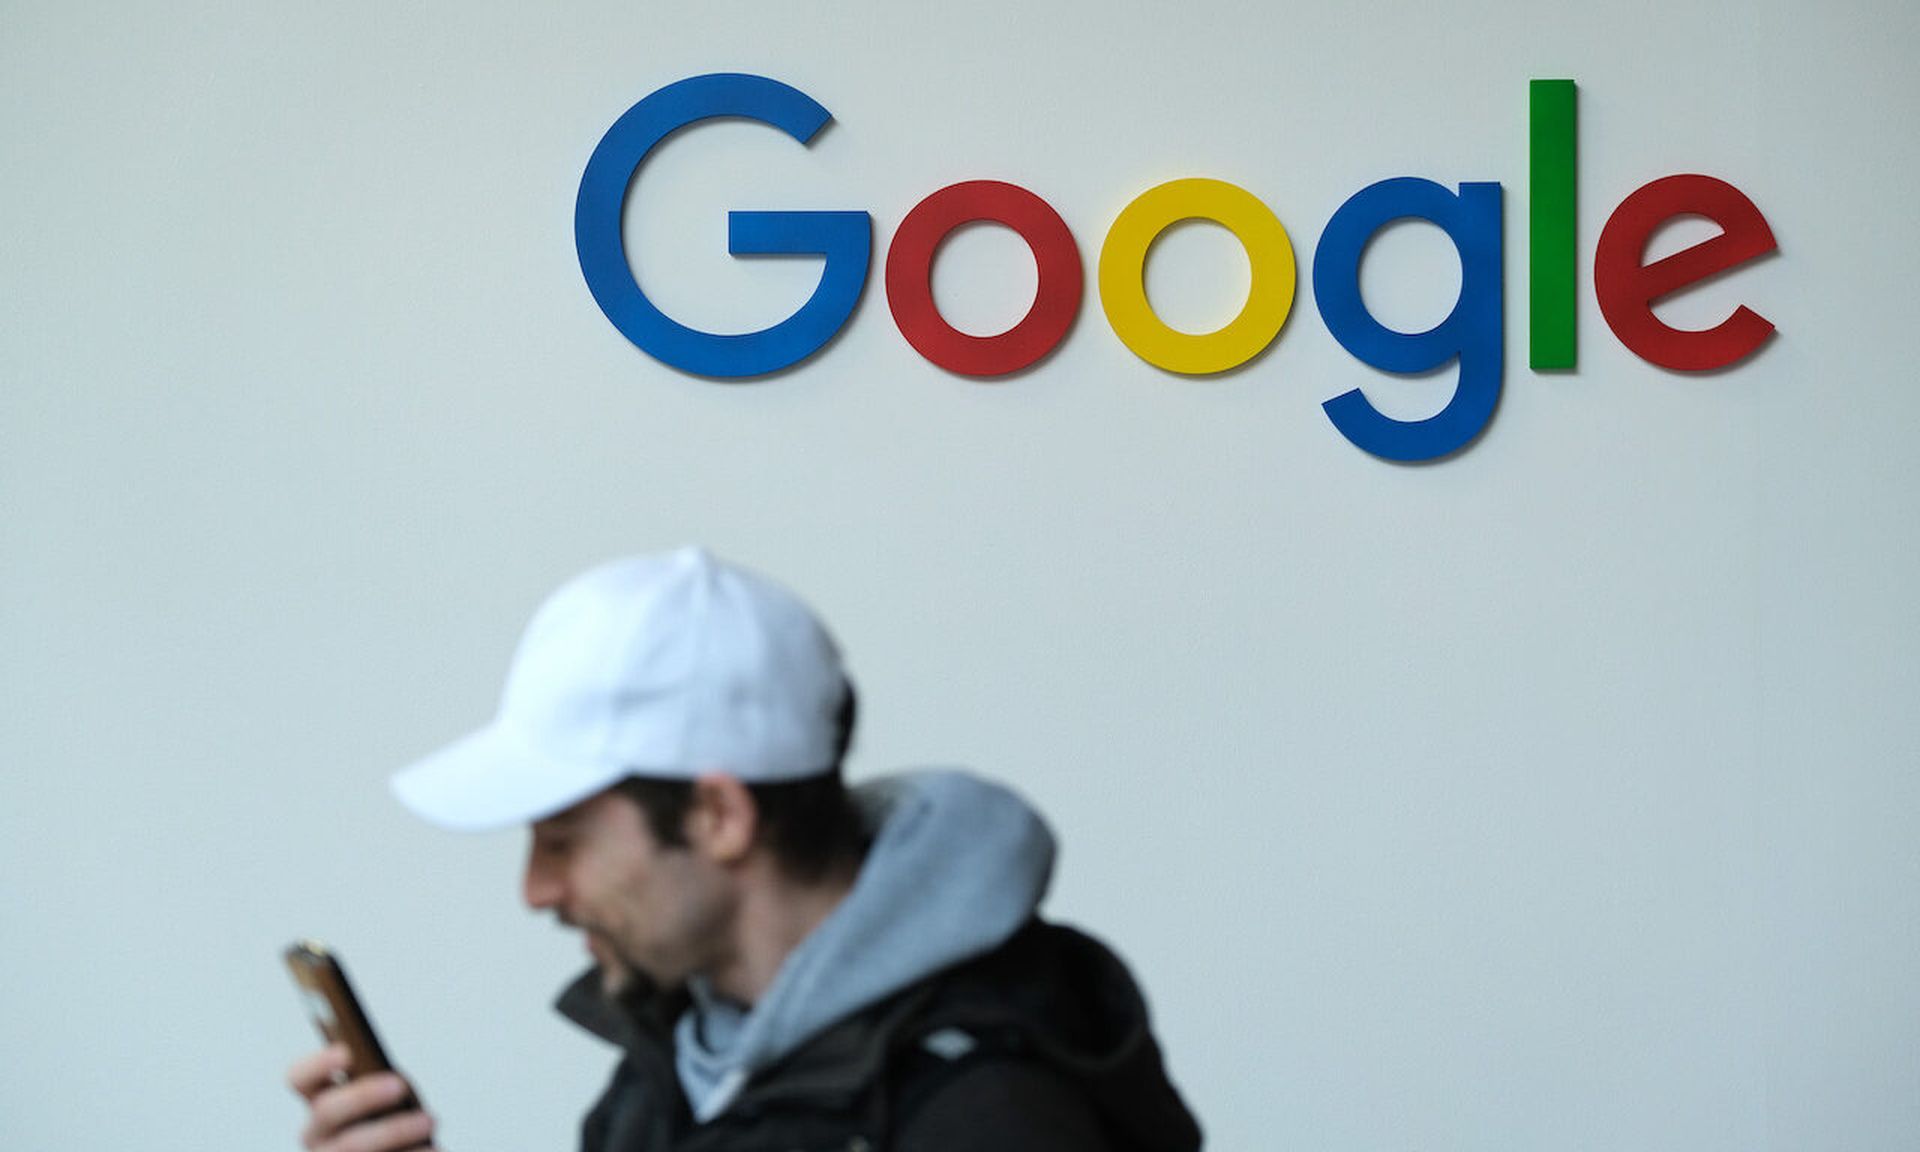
<point x="1056" y="301"/>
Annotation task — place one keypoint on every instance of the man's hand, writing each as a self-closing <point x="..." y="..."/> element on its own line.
<point x="356" y="1115"/>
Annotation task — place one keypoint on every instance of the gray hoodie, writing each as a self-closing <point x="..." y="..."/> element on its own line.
<point x="958" y="864"/>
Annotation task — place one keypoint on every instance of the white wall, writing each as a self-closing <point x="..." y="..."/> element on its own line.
<point x="1561" y="795"/>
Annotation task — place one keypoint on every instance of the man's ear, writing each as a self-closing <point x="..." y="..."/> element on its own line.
<point x="723" y="820"/>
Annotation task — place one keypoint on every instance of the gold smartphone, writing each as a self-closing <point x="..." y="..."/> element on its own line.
<point x="336" y="1010"/>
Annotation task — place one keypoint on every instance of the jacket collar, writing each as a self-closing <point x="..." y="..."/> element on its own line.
<point x="642" y="1014"/>
<point x="838" y="1063"/>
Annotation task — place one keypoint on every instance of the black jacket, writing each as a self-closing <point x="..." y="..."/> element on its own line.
<point x="1042" y="1045"/>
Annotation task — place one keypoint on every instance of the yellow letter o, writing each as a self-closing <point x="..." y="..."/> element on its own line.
<point x="1123" y="285"/>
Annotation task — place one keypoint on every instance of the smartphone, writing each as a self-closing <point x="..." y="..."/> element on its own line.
<point x="336" y="1010"/>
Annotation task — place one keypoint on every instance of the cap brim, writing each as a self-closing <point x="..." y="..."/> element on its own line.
<point x="493" y="779"/>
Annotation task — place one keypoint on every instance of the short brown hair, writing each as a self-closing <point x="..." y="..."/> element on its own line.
<point x="811" y="824"/>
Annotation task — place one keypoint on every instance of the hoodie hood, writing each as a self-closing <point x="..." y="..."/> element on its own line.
<point x="958" y="865"/>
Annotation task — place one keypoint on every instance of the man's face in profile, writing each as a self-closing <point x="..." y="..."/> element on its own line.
<point x="644" y="907"/>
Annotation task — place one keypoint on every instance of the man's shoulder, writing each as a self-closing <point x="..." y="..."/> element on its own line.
<point x="1051" y="1023"/>
<point x="1059" y="987"/>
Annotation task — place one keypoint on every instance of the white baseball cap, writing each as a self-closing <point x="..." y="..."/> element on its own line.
<point x="665" y="665"/>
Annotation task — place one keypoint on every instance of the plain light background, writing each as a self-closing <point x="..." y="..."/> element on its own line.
<point x="1560" y="795"/>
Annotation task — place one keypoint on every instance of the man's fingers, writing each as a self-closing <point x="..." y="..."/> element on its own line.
<point x="356" y="1115"/>
<point x="395" y="1133"/>
<point x="336" y="1109"/>
<point x="313" y="1073"/>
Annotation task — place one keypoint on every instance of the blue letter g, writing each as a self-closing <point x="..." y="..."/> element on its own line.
<point x="844" y="238"/>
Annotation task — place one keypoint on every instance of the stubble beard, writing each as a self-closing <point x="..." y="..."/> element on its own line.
<point x="616" y="975"/>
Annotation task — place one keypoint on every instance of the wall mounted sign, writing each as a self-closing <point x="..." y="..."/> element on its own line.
<point x="1626" y="286"/>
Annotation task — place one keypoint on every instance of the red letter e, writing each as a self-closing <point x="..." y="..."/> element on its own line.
<point x="1626" y="289"/>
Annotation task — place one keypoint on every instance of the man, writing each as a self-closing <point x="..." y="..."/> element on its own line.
<point x="785" y="964"/>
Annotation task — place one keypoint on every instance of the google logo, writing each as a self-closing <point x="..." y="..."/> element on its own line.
<point x="1626" y="285"/>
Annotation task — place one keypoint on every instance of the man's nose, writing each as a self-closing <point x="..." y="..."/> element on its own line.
<point x="540" y="887"/>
